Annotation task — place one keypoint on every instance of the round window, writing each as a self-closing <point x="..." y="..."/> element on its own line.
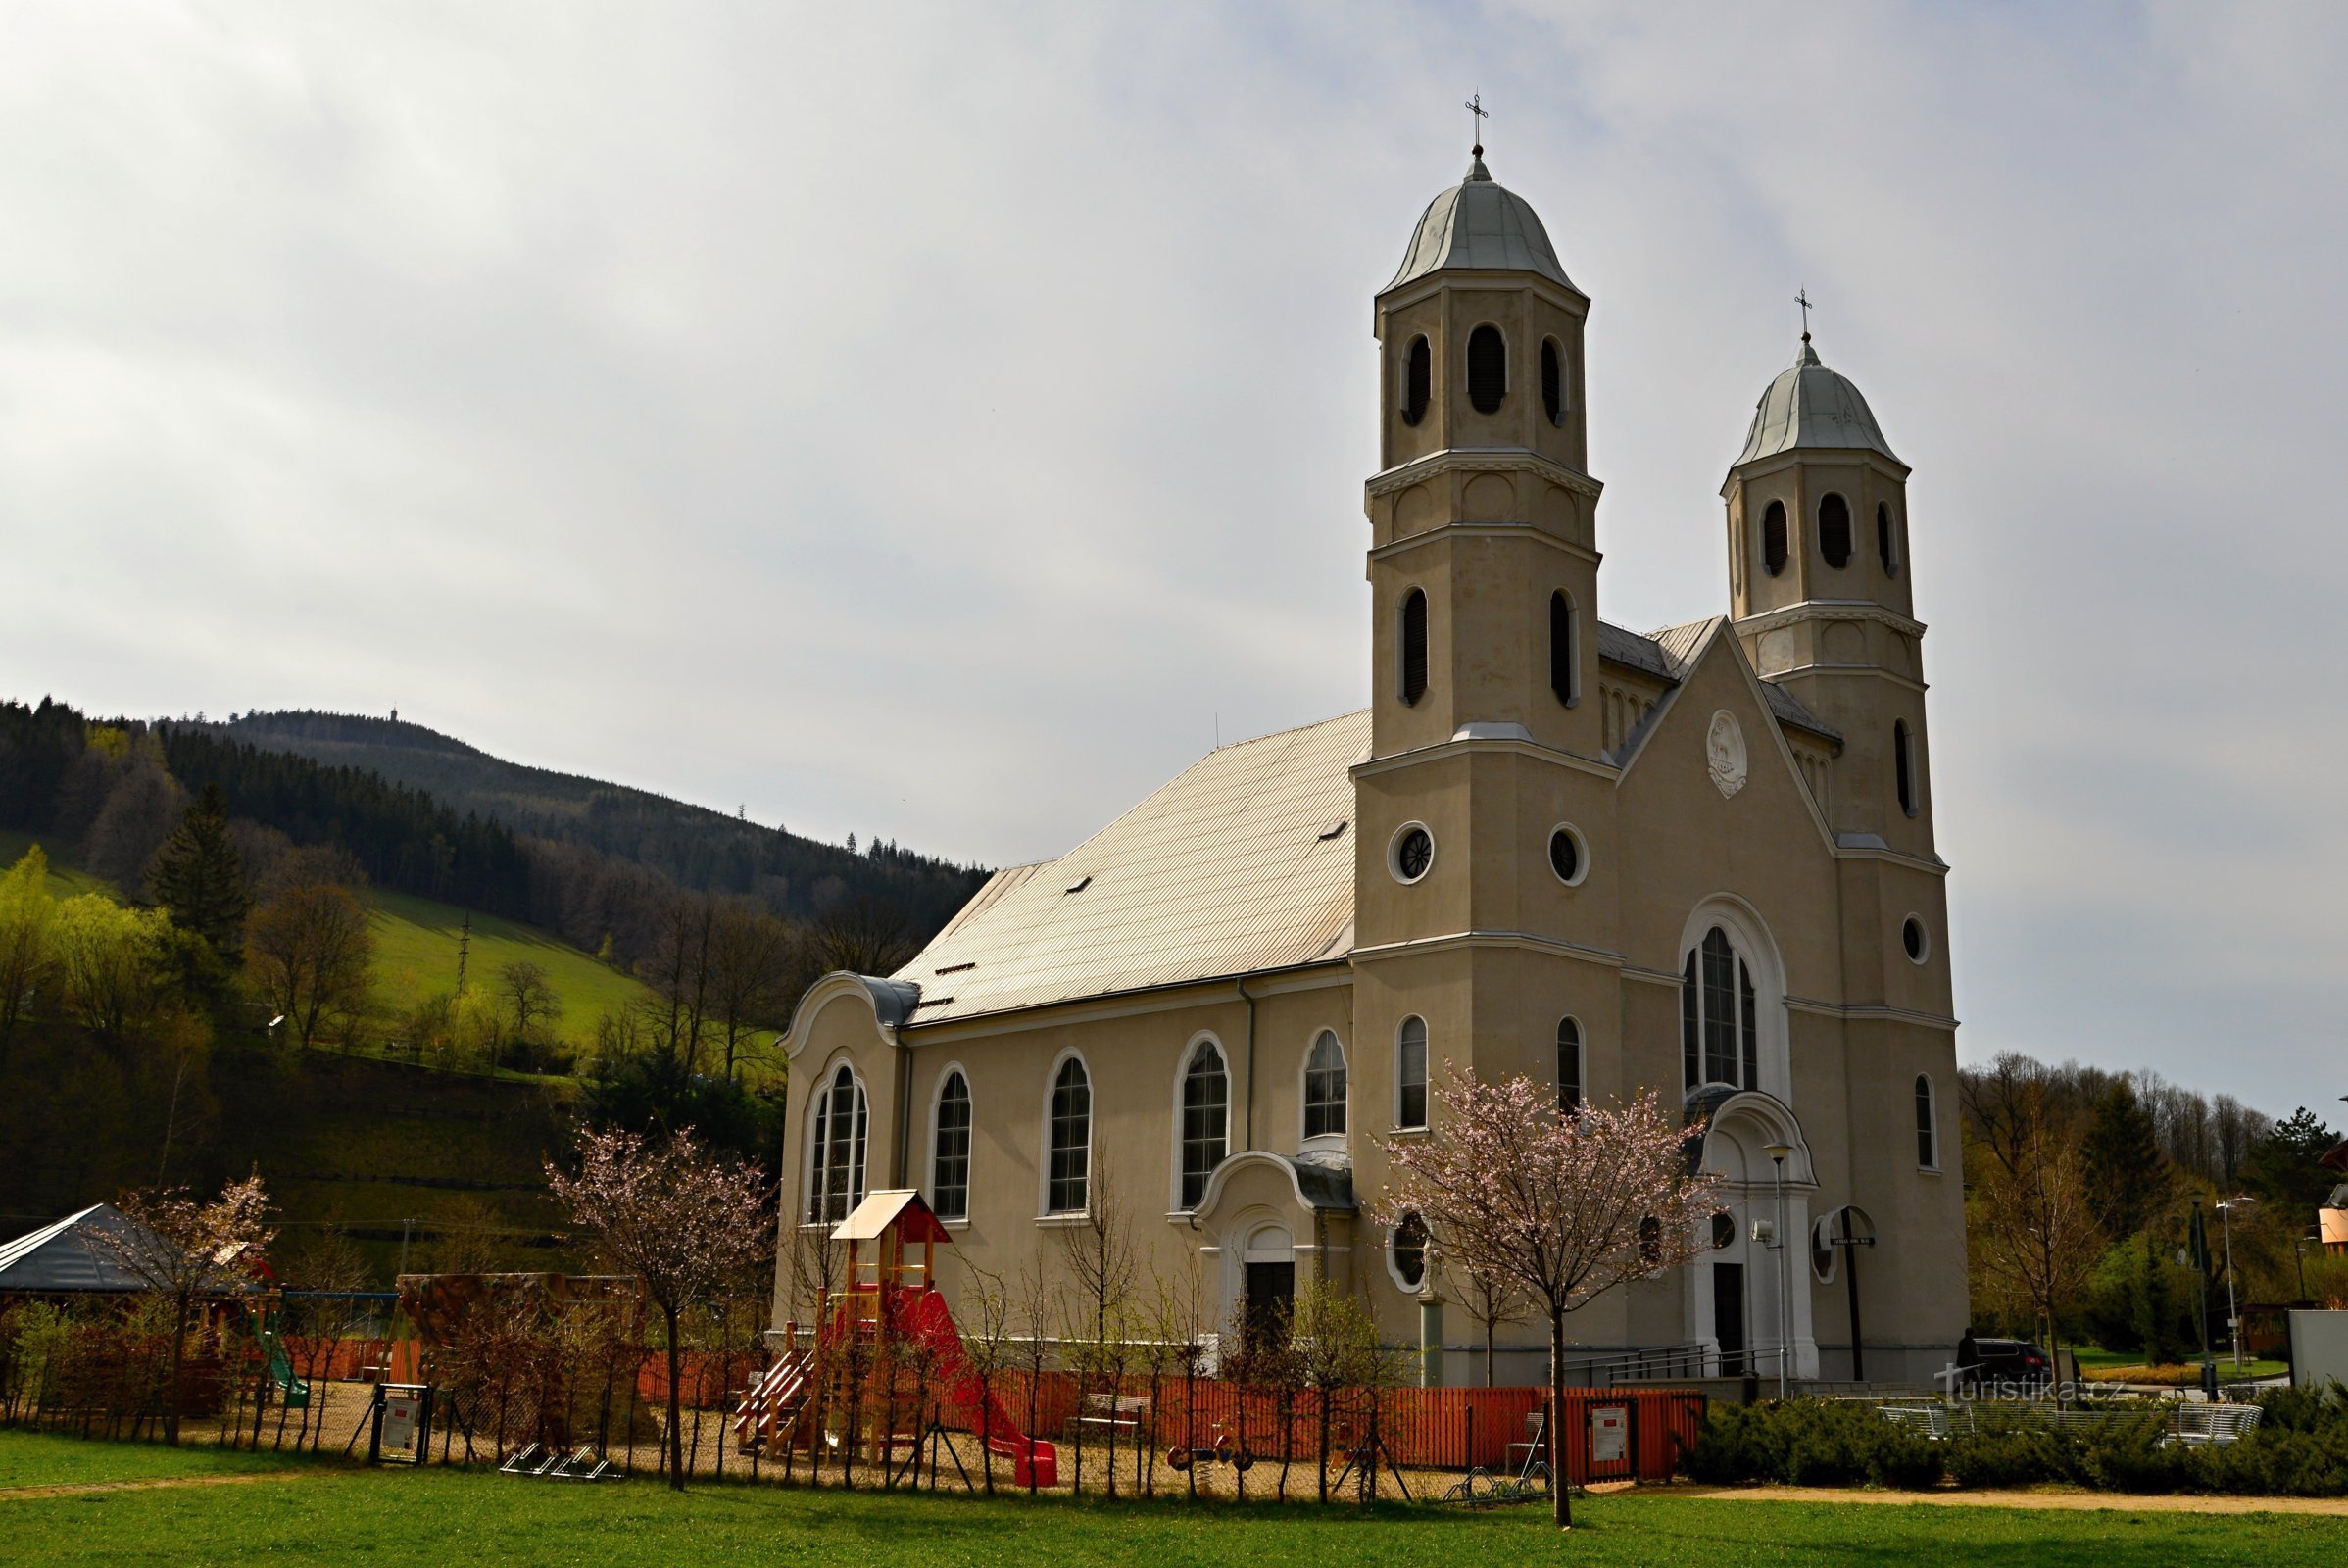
<point x="1566" y="856"/>
<point x="1411" y="852"/>
<point x="1408" y="1251"/>
<point x="1913" y="937"/>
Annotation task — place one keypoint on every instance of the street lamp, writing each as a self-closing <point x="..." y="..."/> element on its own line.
<point x="1777" y="1154"/>
<point x="2234" y="1313"/>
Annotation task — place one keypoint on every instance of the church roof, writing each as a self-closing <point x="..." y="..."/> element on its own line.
<point x="1811" y="406"/>
<point x="1244" y="862"/>
<point x="1479" y="225"/>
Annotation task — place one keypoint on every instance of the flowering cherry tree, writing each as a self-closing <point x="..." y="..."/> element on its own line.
<point x="682" y="1222"/>
<point x="1564" y="1207"/>
<point x="185" y="1251"/>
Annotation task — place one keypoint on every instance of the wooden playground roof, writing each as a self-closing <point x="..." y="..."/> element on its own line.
<point x="904" y="1209"/>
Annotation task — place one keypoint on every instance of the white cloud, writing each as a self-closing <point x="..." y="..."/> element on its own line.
<point x="920" y="422"/>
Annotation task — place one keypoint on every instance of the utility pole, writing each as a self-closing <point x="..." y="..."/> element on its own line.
<point x="465" y="948"/>
<point x="2233" y="1311"/>
<point x="406" y="1227"/>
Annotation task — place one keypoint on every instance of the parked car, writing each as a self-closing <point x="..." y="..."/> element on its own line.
<point x="2009" y="1361"/>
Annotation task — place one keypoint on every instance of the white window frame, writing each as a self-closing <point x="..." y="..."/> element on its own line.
<point x="1426" y="1086"/>
<point x="1305" y="1137"/>
<point x="859" y="1183"/>
<point x="1203" y="1040"/>
<point x="1051" y="1078"/>
<point x="937" y="1101"/>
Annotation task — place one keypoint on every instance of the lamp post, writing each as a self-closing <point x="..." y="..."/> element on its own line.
<point x="1776" y="1156"/>
<point x="2234" y="1313"/>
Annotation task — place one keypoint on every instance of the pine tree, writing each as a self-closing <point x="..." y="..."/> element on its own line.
<point x="2128" y="1176"/>
<point x="197" y="876"/>
<point x="2282" y="1168"/>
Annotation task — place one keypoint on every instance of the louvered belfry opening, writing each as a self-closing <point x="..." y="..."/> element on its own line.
<point x="1834" y="531"/>
<point x="1773" y="538"/>
<point x="1884" y="546"/>
<point x="1418" y="380"/>
<point x="1414" y="645"/>
<point x="1553" y="381"/>
<point x="1488" y="369"/>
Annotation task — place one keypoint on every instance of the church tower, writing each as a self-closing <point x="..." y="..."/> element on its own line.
<point x="1485" y="798"/>
<point x="1820" y="590"/>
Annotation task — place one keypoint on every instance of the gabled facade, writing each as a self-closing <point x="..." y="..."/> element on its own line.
<point x="1699" y="863"/>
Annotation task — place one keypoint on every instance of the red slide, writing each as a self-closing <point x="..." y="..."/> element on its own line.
<point x="924" y="1313"/>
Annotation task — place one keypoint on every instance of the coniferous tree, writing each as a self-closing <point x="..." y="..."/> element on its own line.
<point x="2128" y="1176"/>
<point x="197" y="876"/>
<point x="2282" y="1167"/>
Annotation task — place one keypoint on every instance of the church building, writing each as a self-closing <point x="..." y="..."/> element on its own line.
<point x="1697" y="861"/>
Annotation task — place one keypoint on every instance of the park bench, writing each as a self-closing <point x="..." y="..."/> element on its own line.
<point x="2213" y="1425"/>
<point x="1934" y="1421"/>
<point x="1118" y="1413"/>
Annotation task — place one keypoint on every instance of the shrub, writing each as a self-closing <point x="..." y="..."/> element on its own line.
<point x="1810" y="1442"/>
<point x="2126" y="1453"/>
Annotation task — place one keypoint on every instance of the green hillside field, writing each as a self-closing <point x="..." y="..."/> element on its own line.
<point x="66" y="877"/>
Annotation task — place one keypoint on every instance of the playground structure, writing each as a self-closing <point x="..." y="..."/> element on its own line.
<point x="883" y="1367"/>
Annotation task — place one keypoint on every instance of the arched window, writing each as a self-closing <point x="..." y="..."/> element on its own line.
<point x="836" y="1150"/>
<point x="1887" y="545"/>
<point x="1070" y="1159"/>
<point x="1325" y="1088"/>
<point x="949" y="1151"/>
<point x="1414" y="645"/>
<point x="1406" y="1253"/>
<point x="1488" y="369"/>
<point x="1773" y="538"/>
<point x="1928" y="1131"/>
<point x="1903" y="765"/>
<point x="1552" y="381"/>
<point x="1411" y="1073"/>
<point x="1719" y="1033"/>
<point x="1834" y="531"/>
<point x="1418" y="376"/>
<point x="1564" y="668"/>
<point x="1206" y="1119"/>
<point x="1570" y="1091"/>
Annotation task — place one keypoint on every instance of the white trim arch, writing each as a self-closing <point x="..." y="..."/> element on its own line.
<point x="1051" y="1080"/>
<point x="1740" y="1129"/>
<point x="929" y="1173"/>
<point x="1773" y="1278"/>
<point x="1748" y="934"/>
<point x="1203" y="1040"/>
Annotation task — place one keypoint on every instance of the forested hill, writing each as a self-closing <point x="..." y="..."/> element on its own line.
<point x="691" y="846"/>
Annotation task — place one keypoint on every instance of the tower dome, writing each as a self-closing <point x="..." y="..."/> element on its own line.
<point x="1811" y="406"/>
<point x="1479" y="225"/>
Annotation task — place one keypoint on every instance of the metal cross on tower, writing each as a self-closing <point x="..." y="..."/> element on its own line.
<point x="1801" y="297"/>
<point x="1475" y="106"/>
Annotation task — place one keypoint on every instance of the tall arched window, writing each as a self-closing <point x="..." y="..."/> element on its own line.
<point x="1834" y="531"/>
<point x="1570" y="1090"/>
<point x="1071" y="1153"/>
<point x="949" y="1151"/>
<point x="1903" y="765"/>
<point x="1886" y="544"/>
<point x="1564" y="668"/>
<point x="1552" y="381"/>
<point x="836" y="1150"/>
<point x="1488" y="369"/>
<point x="1418" y="377"/>
<point x="1414" y="645"/>
<point x="1773" y="538"/>
<point x="1411" y="1073"/>
<point x="1719" y="1031"/>
<point x="1206" y="1119"/>
<point x="1928" y="1130"/>
<point x="1325" y="1088"/>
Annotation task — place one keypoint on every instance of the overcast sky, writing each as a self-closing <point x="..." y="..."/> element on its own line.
<point x="939" y="425"/>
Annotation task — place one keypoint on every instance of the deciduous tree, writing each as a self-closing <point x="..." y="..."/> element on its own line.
<point x="1563" y="1207"/>
<point x="183" y="1250"/>
<point x="682" y="1223"/>
<point x="28" y="917"/>
<point x="309" y="949"/>
<point x="110" y="964"/>
<point x="2034" y="1231"/>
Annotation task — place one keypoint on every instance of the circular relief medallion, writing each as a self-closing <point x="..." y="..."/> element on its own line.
<point x="1724" y="753"/>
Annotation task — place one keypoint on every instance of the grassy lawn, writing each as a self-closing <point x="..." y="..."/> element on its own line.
<point x="27" y="1460"/>
<point x="416" y="956"/>
<point x="2096" y="1361"/>
<point x="66" y="878"/>
<point x="332" y="1514"/>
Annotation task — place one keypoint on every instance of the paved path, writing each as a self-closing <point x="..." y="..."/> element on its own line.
<point x="2066" y="1498"/>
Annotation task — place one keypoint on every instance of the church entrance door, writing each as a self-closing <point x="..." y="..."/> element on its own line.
<point x="1728" y="1316"/>
<point x="1271" y="1294"/>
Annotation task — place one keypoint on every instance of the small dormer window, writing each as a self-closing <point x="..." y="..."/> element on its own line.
<point x="1486" y="369"/>
<point x="1834" y="531"/>
<point x="1773" y="538"/>
<point x="1552" y="381"/>
<point x="1418" y="377"/>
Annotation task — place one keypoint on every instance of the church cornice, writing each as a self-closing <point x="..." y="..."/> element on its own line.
<point x="1852" y="609"/>
<point x="1480" y="460"/>
<point x="1463" y="745"/>
<point x="1846" y="1011"/>
<point x="1456" y="940"/>
<point x="1483" y="530"/>
<point x="1317" y="976"/>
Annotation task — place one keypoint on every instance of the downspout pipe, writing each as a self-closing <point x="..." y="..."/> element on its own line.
<point x="1248" y="1123"/>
